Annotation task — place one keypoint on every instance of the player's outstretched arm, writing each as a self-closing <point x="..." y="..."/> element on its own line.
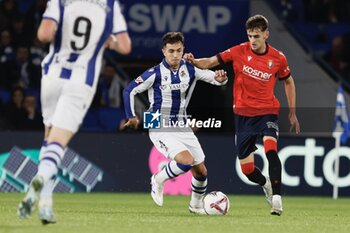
<point x="202" y="63"/>
<point x="218" y="78"/>
<point x="47" y="30"/>
<point x="289" y="87"/>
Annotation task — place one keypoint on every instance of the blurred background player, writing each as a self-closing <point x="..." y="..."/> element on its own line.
<point x="170" y="86"/>
<point x="78" y="31"/>
<point x="257" y="66"/>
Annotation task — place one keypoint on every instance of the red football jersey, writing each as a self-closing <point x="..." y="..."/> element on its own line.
<point x="255" y="78"/>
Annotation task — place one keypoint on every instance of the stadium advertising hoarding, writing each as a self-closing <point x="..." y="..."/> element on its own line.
<point x="128" y="160"/>
<point x="217" y="23"/>
<point x="308" y="166"/>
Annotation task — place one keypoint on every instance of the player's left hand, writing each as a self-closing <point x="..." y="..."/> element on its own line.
<point x="220" y="76"/>
<point x="294" y="123"/>
<point x="132" y="123"/>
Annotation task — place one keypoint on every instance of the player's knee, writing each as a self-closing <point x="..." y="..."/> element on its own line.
<point x="247" y="168"/>
<point x="184" y="158"/>
<point x="270" y="145"/>
<point x="188" y="160"/>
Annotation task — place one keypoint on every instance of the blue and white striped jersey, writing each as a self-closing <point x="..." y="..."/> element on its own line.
<point x="169" y="92"/>
<point x="83" y="26"/>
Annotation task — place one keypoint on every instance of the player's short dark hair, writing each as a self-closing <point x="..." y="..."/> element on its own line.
<point x="172" y="38"/>
<point x="257" y="22"/>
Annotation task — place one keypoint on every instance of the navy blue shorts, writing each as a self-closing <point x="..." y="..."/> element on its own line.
<point x="248" y="129"/>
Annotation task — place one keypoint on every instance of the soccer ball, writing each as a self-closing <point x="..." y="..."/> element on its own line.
<point x="216" y="203"/>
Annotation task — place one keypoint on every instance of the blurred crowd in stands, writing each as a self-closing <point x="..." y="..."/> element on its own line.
<point x="316" y="11"/>
<point x="325" y="25"/>
<point x="327" y="11"/>
<point x="21" y="54"/>
<point x="333" y="12"/>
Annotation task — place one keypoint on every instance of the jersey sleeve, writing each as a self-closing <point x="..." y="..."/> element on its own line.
<point x="53" y="10"/>
<point x="284" y="71"/>
<point x="227" y="55"/>
<point x="119" y="23"/>
<point x="207" y="76"/>
<point x="140" y="84"/>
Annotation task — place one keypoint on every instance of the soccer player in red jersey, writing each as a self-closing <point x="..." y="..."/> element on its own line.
<point x="257" y="66"/>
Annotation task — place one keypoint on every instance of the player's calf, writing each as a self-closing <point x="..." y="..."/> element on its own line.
<point x="253" y="173"/>
<point x="275" y="166"/>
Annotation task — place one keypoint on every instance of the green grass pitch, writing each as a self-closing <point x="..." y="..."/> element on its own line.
<point x="130" y="213"/>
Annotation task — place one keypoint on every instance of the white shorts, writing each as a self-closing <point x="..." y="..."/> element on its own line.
<point x="64" y="103"/>
<point x="172" y="143"/>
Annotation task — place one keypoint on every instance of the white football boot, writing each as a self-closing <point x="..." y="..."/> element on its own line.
<point x="157" y="191"/>
<point x="196" y="209"/>
<point x="276" y="208"/>
<point x="268" y="191"/>
<point x="197" y="206"/>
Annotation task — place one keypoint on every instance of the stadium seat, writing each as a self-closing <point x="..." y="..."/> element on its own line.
<point x="14" y="161"/>
<point x="80" y="169"/>
<point x="69" y="158"/>
<point x="21" y="169"/>
<point x="91" y="177"/>
<point x="6" y="186"/>
<point x="28" y="171"/>
<point x="62" y="187"/>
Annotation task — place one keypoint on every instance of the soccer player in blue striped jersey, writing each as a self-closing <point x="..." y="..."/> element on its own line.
<point x="170" y="85"/>
<point x="78" y="33"/>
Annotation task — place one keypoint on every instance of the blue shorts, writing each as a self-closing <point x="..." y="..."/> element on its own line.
<point x="249" y="128"/>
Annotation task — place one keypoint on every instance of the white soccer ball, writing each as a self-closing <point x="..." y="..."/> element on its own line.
<point x="216" y="203"/>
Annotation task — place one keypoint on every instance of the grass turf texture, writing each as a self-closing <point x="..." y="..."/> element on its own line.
<point x="129" y="213"/>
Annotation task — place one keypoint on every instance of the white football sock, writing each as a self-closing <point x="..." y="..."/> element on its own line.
<point x="50" y="159"/>
<point x="199" y="187"/>
<point x="170" y="171"/>
<point x="46" y="194"/>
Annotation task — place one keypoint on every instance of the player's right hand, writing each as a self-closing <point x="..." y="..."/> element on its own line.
<point x="220" y="75"/>
<point x="294" y="123"/>
<point x="189" y="57"/>
<point x="132" y="123"/>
